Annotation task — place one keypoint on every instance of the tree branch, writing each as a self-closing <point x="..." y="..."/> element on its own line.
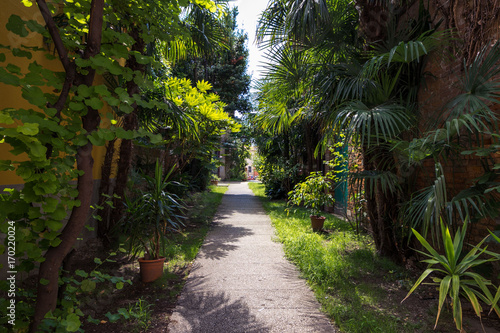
<point x="54" y="33"/>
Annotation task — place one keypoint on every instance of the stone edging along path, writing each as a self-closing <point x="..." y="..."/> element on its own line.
<point x="241" y="281"/>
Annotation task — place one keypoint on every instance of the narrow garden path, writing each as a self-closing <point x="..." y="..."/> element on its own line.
<point x="241" y="281"/>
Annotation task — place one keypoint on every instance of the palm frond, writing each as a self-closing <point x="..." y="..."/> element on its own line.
<point x="288" y="69"/>
<point x="480" y="85"/>
<point x="371" y="125"/>
<point x="424" y="210"/>
<point x="386" y="180"/>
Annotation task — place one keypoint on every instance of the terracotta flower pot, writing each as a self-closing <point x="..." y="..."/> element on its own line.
<point x="317" y="222"/>
<point x="151" y="269"/>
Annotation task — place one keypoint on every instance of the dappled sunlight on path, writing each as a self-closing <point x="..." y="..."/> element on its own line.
<point x="241" y="282"/>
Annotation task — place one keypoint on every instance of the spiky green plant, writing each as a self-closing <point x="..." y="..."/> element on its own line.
<point x="453" y="274"/>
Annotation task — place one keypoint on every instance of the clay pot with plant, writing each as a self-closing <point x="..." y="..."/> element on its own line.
<point x="149" y="217"/>
<point x="214" y="179"/>
<point x="313" y="194"/>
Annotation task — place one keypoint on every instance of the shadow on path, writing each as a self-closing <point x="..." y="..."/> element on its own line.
<point x="212" y="310"/>
<point x="217" y="247"/>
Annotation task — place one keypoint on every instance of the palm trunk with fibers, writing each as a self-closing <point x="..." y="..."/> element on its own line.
<point x="309" y="148"/>
<point x="371" y="201"/>
<point x="382" y="207"/>
<point x="288" y="183"/>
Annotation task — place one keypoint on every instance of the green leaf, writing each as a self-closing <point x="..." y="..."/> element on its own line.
<point x="81" y="273"/>
<point x="80" y="62"/>
<point x="420" y="279"/>
<point x="6" y="165"/>
<point x="35" y="26"/>
<point x="50" y="204"/>
<point x="92" y="320"/>
<point x="102" y="90"/>
<point x="34" y="95"/>
<point x="119" y="285"/>
<point x="72" y="322"/>
<point x="448" y="245"/>
<point x="95" y="103"/>
<point x="141" y="59"/>
<point x="55" y="242"/>
<point x="53" y="225"/>
<point x="124" y="313"/>
<point x="24" y="171"/>
<point x="5" y="118"/>
<point x="50" y="56"/>
<point x="17" y="26"/>
<point x="96" y="139"/>
<point x="84" y="91"/>
<point x="8" y="78"/>
<point x="2" y="57"/>
<point x="88" y="285"/>
<point x="44" y="282"/>
<point x="443" y="292"/>
<point x="76" y="106"/>
<point x="123" y="134"/>
<point x="28" y="129"/>
<point x="113" y="317"/>
<point x="51" y="112"/>
<point x="98" y="261"/>
<point x="37" y="149"/>
<point x="156" y="138"/>
<point x="113" y="101"/>
<point x="473" y="300"/>
<point x="60" y="213"/>
<point x="106" y="134"/>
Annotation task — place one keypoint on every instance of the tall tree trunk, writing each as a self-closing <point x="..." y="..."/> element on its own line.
<point x="129" y="123"/>
<point x="104" y="188"/>
<point x="49" y="269"/>
<point x="123" y="169"/>
<point x="373" y="19"/>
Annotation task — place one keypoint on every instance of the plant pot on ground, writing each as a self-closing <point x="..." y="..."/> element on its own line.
<point x="214" y="179"/>
<point x="313" y="194"/>
<point x="149" y="217"/>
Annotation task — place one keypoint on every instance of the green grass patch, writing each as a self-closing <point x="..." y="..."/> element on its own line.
<point x="341" y="267"/>
<point x="183" y="247"/>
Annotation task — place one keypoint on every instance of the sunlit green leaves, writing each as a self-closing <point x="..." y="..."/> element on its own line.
<point x="72" y="322"/>
<point x="28" y="129"/>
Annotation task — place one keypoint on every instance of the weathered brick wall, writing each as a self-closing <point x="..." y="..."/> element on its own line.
<point x="443" y="73"/>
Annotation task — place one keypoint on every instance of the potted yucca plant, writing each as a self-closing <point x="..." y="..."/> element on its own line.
<point x="152" y="214"/>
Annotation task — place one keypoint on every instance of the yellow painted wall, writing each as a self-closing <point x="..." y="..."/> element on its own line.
<point x="10" y="96"/>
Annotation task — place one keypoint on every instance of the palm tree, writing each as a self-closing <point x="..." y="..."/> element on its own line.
<point x="371" y="97"/>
